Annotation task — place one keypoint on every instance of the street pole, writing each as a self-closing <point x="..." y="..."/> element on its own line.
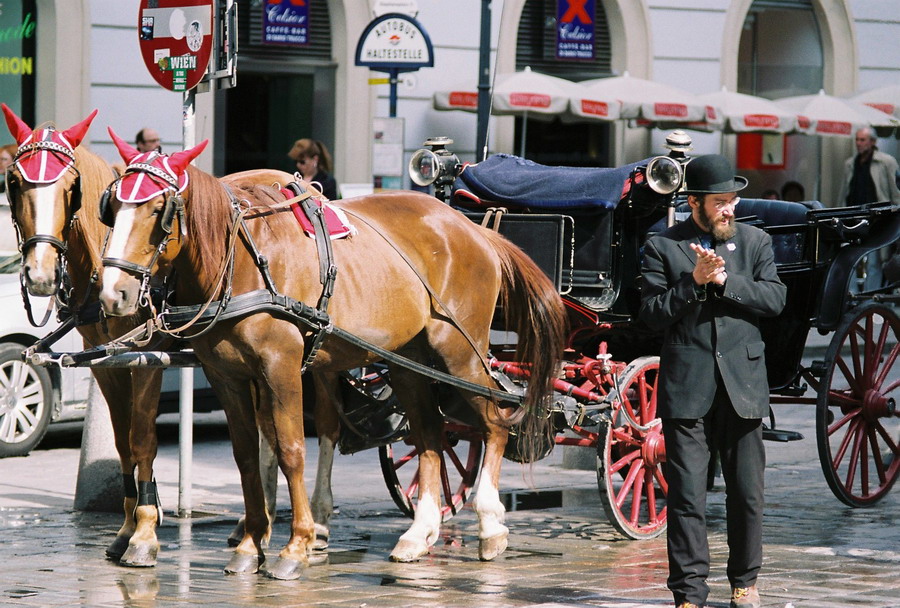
<point x="186" y="392"/>
<point x="484" y="82"/>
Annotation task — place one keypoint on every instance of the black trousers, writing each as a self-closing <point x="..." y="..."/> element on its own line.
<point x="689" y="443"/>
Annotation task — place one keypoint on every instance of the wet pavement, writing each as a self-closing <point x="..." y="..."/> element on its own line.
<point x="818" y="552"/>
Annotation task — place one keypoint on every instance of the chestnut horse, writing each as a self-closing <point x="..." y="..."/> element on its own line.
<point x="52" y="175"/>
<point x="416" y="278"/>
<point x="49" y="179"/>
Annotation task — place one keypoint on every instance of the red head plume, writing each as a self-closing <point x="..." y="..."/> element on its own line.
<point x="126" y="151"/>
<point x="17" y="127"/>
<point x="75" y="134"/>
<point x="180" y="160"/>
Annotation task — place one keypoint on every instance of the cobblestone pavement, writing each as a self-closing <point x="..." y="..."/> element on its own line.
<point x="818" y="553"/>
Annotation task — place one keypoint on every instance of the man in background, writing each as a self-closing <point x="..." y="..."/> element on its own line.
<point x="147" y="139"/>
<point x="870" y="177"/>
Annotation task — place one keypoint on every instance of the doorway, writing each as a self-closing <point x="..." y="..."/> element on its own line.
<point x="265" y="115"/>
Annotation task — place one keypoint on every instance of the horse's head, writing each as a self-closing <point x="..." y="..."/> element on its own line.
<point x="145" y="209"/>
<point x="44" y="190"/>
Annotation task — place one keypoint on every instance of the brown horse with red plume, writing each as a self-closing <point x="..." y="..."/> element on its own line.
<point x="416" y="278"/>
<point x="48" y="182"/>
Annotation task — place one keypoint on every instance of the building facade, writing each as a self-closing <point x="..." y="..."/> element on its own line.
<point x="59" y="59"/>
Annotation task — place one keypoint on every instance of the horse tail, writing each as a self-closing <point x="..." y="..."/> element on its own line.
<point x="532" y="309"/>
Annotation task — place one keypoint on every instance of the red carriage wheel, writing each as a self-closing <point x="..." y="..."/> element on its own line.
<point x="857" y="421"/>
<point x="460" y="463"/>
<point x="631" y="453"/>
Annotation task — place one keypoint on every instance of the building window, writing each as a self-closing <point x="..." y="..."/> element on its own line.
<point x="18" y="61"/>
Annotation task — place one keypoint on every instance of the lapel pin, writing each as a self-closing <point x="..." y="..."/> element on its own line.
<point x="730" y="246"/>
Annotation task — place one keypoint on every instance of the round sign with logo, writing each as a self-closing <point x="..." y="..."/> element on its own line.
<point x="176" y="40"/>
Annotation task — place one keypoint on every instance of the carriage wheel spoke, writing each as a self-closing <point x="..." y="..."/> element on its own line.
<point x="628" y="484"/>
<point x="845" y="441"/>
<point x="454" y="458"/>
<point x="878" y="461"/>
<point x="399" y="462"/>
<point x="661" y="480"/>
<point x="888" y="440"/>
<point x="886" y="368"/>
<point x="850" y="377"/>
<point x="637" y="494"/>
<point x="853" y="433"/>
<point x="624" y="435"/>
<point x="836" y="398"/>
<point x="624" y="460"/>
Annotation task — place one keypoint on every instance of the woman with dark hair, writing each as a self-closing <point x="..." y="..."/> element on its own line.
<point x="314" y="164"/>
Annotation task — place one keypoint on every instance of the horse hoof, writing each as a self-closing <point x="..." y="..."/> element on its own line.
<point x="286" y="569"/>
<point x="407" y="551"/>
<point x="322" y="534"/>
<point x="243" y="563"/>
<point x="140" y="556"/>
<point x="489" y="548"/>
<point x="117" y="548"/>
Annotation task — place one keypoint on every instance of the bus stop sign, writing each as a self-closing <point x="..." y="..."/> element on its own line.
<point x="176" y="39"/>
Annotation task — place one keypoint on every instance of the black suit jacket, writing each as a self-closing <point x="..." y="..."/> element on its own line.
<point x="716" y="328"/>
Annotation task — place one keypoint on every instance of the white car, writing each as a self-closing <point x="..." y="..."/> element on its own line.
<point x="31" y="398"/>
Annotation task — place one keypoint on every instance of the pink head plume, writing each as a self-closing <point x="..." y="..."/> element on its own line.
<point x="126" y="151"/>
<point x="17" y="127"/>
<point x="75" y="134"/>
<point x="180" y="160"/>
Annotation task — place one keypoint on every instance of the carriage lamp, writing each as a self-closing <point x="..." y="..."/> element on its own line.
<point x="664" y="175"/>
<point x="436" y="166"/>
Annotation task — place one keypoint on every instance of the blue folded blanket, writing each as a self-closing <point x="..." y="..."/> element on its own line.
<point x="518" y="182"/>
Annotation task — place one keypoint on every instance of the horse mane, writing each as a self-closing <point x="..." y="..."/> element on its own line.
<point x="96" y="176"/>
<point x="208" y="216"/>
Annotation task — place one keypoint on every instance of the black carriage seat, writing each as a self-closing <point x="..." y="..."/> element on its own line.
<point x="785" y="221"/>
<point x="518" y="184"/>
<point x="576" y="200"/>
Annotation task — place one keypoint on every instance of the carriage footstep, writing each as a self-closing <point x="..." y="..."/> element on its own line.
<point x="489" y="548"/>
<point x="243" y="563"/>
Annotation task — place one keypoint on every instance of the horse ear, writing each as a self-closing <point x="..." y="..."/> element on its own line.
<point x="126" y="151"/>
<point x="180" y="160"/>
<point x="76" y="133"/>
<point x="17" y="127"/>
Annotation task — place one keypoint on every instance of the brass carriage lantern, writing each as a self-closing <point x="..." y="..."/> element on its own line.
<point x="437" y="166"/>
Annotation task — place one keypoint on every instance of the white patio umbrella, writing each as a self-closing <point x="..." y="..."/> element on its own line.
<point x="836" y="117"/>
<point x="886" y="99"/>
<point x="525" y="93"/>
<point x="742" y="113"/>
<point x="650" y="101"/>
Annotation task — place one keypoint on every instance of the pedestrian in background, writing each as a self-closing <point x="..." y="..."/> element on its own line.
<point x="314" y="164"/>
<point x="870" y="177"/>
<point x="706" y="283"/>
<point x="147" y="139"/>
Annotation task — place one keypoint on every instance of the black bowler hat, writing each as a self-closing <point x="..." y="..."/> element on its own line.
<point x="712" y="174"/>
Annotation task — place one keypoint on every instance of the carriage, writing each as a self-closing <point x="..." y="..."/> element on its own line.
<point x="603" y="394"/>
<point x="589" y="239"/>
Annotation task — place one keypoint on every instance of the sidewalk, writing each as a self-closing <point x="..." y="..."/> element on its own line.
<point x="818" y="553"/>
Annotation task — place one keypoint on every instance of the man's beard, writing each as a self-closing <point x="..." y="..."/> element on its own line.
<point x="719" y="232"/>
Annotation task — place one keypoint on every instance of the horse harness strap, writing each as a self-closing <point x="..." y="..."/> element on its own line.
<point x="262" y="300"/>
<point x="447" y="311"/>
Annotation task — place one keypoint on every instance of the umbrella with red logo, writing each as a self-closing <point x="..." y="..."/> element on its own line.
<point x="886" y="99"/>
<point x="741" y="113"/>
<point x="836" y="117"/>
<point x="649" y="101"/>
<point x="528" y="94"/>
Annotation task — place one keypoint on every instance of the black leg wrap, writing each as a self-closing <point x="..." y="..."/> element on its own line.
<point x="130" y="486"/>
<point x="147" y="493"/>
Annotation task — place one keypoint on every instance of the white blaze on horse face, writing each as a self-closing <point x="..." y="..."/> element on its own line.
<point x="44" y="207"/>
<point x="489" y="508"/>
<point x="118" y="241"/>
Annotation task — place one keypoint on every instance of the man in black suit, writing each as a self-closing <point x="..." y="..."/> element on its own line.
<point x="706" y="283"/>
